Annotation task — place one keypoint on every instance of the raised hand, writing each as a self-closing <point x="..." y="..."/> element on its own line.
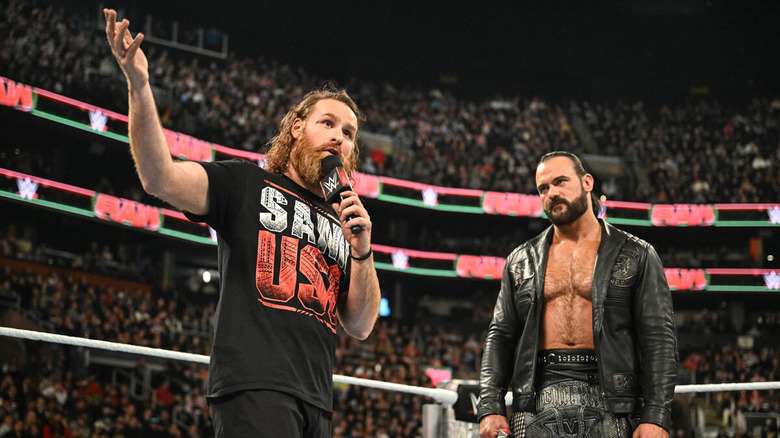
<point x="126" y="50"/>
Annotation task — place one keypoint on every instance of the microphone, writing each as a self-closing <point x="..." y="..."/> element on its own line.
<point x="334" y="181"/>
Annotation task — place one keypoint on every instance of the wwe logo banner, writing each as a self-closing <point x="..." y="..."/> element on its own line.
<point x="430" y="197"/>
<point x="772" y="280"/>
<point x="97" y="121"/>
<point x="774" y="214"/>
<point x="28" y="189"/>
<point x="400" y="260"/>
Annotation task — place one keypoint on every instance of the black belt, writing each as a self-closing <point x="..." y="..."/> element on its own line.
<point x="573" y="356"/>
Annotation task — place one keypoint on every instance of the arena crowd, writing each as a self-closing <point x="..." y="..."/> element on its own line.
<point x="704" y="151"/>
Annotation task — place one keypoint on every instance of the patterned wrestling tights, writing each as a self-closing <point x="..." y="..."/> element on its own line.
<point x="569" y="404"/>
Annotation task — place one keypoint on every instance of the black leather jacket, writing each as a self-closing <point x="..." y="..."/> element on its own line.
<point x="633" y="329"/>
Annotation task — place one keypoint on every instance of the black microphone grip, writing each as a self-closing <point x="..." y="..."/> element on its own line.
<point x="334" y="182"/>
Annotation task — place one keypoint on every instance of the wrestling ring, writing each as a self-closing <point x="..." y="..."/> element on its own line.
<point x="439" y="419"/>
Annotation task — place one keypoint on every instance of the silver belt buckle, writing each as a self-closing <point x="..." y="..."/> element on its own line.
<point x="552" y="358"/>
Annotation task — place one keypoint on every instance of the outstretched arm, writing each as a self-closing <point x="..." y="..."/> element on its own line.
<point x="181" y="184"/>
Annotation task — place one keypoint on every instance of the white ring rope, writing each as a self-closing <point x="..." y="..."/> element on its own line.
<point x="440" y="395"/>
<point x="103" y="345"/>
<point x="718" y="387"/>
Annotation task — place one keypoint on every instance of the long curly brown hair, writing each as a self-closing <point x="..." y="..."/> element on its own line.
<point x="280" y="147"/>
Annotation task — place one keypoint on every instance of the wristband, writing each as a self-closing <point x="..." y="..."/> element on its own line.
<point x="360" y="259"/>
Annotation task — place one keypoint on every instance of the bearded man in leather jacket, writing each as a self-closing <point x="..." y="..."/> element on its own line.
<point x="582" y="329"/>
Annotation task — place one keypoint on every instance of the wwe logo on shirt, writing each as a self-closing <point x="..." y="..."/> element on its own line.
<point x="772" y="280"/>
<point x="27" y="189"/>
<point x="774" y="214"/>
<point x="97" y="121"/>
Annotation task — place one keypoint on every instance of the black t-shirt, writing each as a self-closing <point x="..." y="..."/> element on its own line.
<point x="283" y="261"/>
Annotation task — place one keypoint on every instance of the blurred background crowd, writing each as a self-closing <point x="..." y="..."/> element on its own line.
<point x="693" y="151"/>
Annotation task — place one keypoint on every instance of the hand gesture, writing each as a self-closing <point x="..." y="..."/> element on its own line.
<point x="126" y="50"/>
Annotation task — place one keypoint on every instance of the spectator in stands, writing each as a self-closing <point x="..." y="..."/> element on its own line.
<point x="56" y="426"/>
<point x="162" y="397"/>
<point x="18" y="431"/>
<point x="7" y="426"/>
<point x="257" y="384"/>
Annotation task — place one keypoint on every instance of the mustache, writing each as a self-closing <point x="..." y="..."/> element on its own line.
<point x="558" y="201"/>
<point x="325" y="147"/>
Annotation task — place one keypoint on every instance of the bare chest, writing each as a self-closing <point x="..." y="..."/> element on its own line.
<point x="570" y="271"/>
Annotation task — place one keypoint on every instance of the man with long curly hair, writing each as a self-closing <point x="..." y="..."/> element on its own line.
<point x="291" y="268"/>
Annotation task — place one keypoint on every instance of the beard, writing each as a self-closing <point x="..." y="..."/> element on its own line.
<point x="573" y="211"/>
<point x="305" y="159"/>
